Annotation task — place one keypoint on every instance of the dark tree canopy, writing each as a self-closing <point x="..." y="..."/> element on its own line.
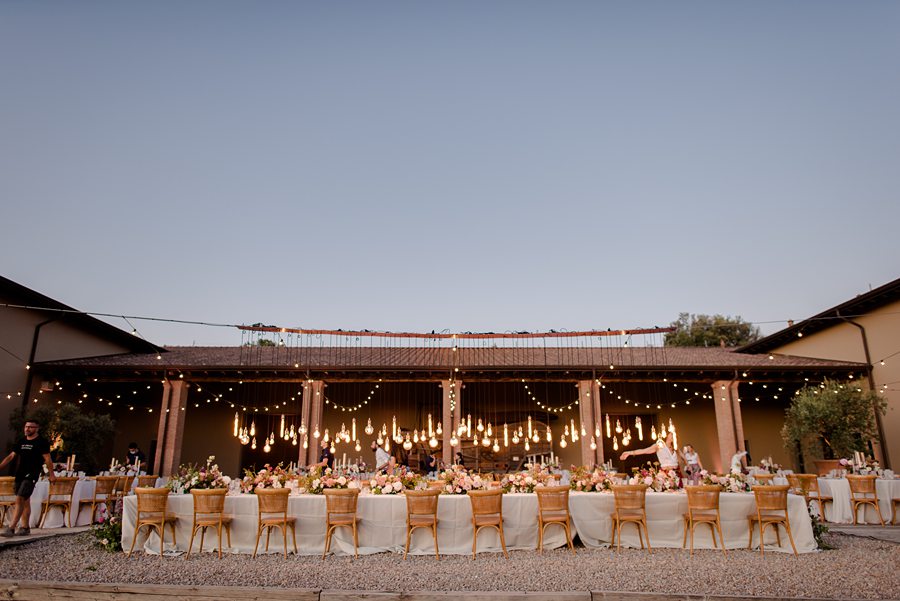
<point x="711" y="330"/>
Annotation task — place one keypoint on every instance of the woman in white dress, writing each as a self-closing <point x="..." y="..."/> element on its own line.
<point x="692" y="465"/>
<point x="668" y="457"/>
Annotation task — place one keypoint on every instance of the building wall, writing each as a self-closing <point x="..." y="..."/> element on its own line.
<point x="843" y="342"/>
<point x="58" y="340"/>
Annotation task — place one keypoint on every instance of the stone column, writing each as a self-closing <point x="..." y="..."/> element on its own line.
<point x="171" y="427"/>
<point x="316" y="397"/>
<point x="729" y="426"/>
<point x="586" y="416"/>
<point x="448" y="418"/>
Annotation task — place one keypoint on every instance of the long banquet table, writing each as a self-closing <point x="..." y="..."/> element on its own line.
<point x="383" y="524"/>
<point x="840" y="509"/>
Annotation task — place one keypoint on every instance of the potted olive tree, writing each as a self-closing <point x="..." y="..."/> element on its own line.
<point x="829" y="421"/>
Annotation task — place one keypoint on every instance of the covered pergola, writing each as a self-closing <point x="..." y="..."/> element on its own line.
<point x="716" y="396"/>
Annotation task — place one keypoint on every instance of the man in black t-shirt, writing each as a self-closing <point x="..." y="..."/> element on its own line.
<point x="135" y="455"/>
<point x="33" y="452"/>
<point x="326" y="457"/>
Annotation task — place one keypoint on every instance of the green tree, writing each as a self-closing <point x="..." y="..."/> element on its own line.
<point x="832" y="420"/>
<point x="72" y="429"/>
<point x="711" y="330"/>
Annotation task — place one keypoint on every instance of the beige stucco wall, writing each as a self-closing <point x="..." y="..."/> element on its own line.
<point x="58" y="340"/>
<point x="843" y="342"/>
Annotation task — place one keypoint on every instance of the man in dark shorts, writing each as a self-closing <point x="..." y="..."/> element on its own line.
<point x="33" y="452"/>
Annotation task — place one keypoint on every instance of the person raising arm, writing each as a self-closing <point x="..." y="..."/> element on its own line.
<point x="33" y="453"/>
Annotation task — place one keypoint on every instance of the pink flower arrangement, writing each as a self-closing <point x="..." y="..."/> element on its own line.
<point x="458" y="481"/>
<point x="596" y="480"/>
<point x="733" y="482"/>
<point x="526" y="481"/>
<point x="267" y="477"/>
<point x="658" y="479"/>
<point x="329" y="479"/>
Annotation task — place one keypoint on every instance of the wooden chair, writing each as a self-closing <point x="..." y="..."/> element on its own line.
<point x="7" y="496"/>
<point x="273" y="509"/>
<point x="860" y="489"/>
<point x="808" y="486"/>
<point x="553" y="508"/>
<point x="147" y="481"/>
<point x="436" y="485"/>
<point x="894" y="503"/>
<point x="771" y="510"/>
<point x="103" y="493"/>
<point x="340" y="511"/>
<point x="421" y="512"/>
<point x="152" y="505"/>
<point x="487" y="512"/>
<point x="120" y="488"/>
<point x="630" y="502"/>
<point x="703" y="508"/>
<point x="59" y="497"/>
<point x="764" y="479"/>
<point x="209" y="509"/>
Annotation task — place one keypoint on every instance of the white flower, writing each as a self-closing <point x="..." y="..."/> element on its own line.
<point x="353" y="484"/>
<point x="226" y="480"/>
<point x="342" y="481"/>
<point x="398" y="486"/>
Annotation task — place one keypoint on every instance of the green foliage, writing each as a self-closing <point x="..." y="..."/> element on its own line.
<point x="79" y="432"/>
<point x="819" y="531"/>
<point x="711" y="330"/>
<point x="108" y="530"/>
<point x="835" y="419"/>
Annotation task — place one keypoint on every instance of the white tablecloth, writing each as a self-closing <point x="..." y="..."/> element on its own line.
<point x="591" y="516"/>
<point x="382" y="526"/>
<point x="840" y="510"/>
<point x="84" y="492"/>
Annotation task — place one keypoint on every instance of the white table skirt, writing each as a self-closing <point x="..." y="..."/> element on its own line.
<point x="382" y="526"/>
<point x="591" y="516"/>
<point x="83" y="493"/>
<point x="840" y="509"/>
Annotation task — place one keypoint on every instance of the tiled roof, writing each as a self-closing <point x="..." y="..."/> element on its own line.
<point x="387" y="359"/>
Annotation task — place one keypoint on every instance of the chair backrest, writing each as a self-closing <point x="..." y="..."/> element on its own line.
<point x="422" y="502"/>
<point x="486" y="502"/>
<point x="272" y="500"/>
<point x="341" y="500"/>
<point x="808" y="482"/>
<point x="436" y="485"/>
<point x="552" y="498"/>
<point x="764" y="479"/>
<point x="7" y="485"/>
<point x="121" y="485"/>
<point x="630" y="496"/>
<point x="861" y="485"/>
<point x="771" y="498"/>
<point x="147" y="480"/>
<point x="104" y="485"/>
<point x="62" y="487"/>
<point x="703" y="497"/>
<point x="151" y="500"/>
<point x="209" y="500"/>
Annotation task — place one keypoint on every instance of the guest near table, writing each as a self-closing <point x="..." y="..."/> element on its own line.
<point x="669" y="458"/>
<point x="33" y="453"/>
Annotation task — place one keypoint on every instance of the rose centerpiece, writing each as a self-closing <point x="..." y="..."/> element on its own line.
<point x="192" y="476"/>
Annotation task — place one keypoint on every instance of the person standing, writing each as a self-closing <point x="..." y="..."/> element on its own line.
<point x="326" y="457"/>
<point x="135" y="456"/>
<point x="33" y="453"/>
<point x="668" y="457"/>
<point x="383" y="460"/>
<point x="692" y="465"/>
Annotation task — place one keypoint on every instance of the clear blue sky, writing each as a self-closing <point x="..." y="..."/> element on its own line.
<point x="477" y="166"/>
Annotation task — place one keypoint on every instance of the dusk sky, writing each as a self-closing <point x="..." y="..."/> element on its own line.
<point x="471" y="166"/>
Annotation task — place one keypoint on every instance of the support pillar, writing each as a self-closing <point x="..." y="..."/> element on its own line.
<point x="171" y="427"/>
<point x="589" y="456"/>
<point x="448" y="423"/>
<point x="729" y="425"/>
<point x="314" y="402"/>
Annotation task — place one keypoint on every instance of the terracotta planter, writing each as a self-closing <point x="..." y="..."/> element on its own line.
<point x="824" y="466"/>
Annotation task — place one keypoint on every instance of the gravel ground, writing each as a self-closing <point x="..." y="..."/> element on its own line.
<point x="858" y="568"/>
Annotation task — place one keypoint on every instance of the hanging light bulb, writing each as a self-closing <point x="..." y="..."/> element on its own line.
<point x="640" y="429"/>
<point x="480" y="426"/>
<point x="453" y="440"/>
<point x="574" y="431"/>
<point x="294" y="441"/>
<point x="252" y="429"/>
<point x="653" y="432"/>
<point x="505" y="436"/>
<point x="353" y="429"/>
<point x="281" y="430"/>
<point x="475" y="439"/>
<point x="496" y="447"/>
<point x="387" y="445"/>
<point x="527" y="446"/>
<point x="407" y="444"/>
<point x="565" y="431"/>
<point x="305" y="441"/>
<point x="583" y="431"/>
<point x="562" y="443"/>
<point x="596" y="430"/>
<point x="266" y="447"/>
<point x="490" y="431"/>
<point x="593" y="443"/>
<point x="433" y="442"/>
<point x="286" y="435"/>
<point x="253" y="443"/>
<point x="469" y="425"/>
<point x="358" y="447"/>
<point x="380" y="439"/>
<point x="608" y="430"/>
<point x="332" y="448"/>
<point x="549" y="434"/>
<point x="272" y="438"/>
<point x="302" y="427"/>
<point x="235" y="423"/>
<point x="316" y="433"/>
<point x="430" y="428"/>
<point x="485" y="442"/>
<point x="615" y="444"/>
<point x="439" y="430"/>
<point x="618" y="427"/>
<point x="415" y="436"/>
<point x="394" y="427"/>
<point x="529" y="426"/>
<point x="534" y="436"/>
<point x="325" y="437"/>
<point x="515" y="437"/>
<point x="369" y="429"/>
<point x="293" y="432"/>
